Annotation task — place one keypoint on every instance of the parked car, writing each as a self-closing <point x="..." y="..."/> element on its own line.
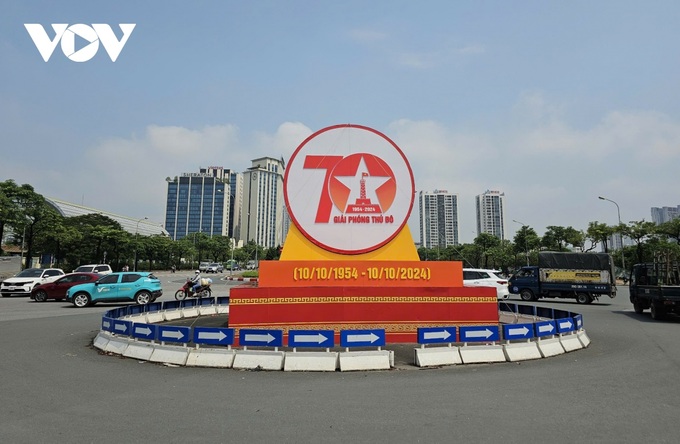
<point x="203" y="266"/>
<point x="215" y="268"/>
<point x="479" y="277"/>
<point x="94" y="268"/>
<point x="23" y="282"/>
<point x="57" y="290"/>
<point x="131" y="286"/>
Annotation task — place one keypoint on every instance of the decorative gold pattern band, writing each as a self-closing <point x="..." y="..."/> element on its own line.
<point x="389" y="328"/>
<point x="364" y="300"/>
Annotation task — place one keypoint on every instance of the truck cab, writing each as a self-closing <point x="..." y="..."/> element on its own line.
<point x="655" y="286"/>
<point x="525" y="283"/>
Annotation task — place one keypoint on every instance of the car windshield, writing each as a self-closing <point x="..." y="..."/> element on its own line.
<point x="82" y="269"/>
<point x="30" y="273"/>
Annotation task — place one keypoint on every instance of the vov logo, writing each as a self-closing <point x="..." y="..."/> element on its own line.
<point x="90" y="35"/>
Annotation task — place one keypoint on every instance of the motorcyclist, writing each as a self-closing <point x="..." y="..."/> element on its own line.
<point x="196" y="281"/>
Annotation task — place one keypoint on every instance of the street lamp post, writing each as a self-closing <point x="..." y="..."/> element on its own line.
<point x="618" y="213"/>
<point x="231" y="264"/>
<point x="137" y="240"/>
<point x="526" y="246"/>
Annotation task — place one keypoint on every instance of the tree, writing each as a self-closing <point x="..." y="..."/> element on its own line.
<point x="96" y="234"/>
<point x="485" y="242"/>
<point x="638" y="231"/>
<point x="599" y="233"/>
<point x="34" y="210"/>
<point x="9" y="209"/>
<point x="671" y="229"/>
<point x="525" y="241"/>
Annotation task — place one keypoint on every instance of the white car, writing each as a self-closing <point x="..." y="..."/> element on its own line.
<point x="479" y="277"/>
<point x="94" y="268"/>
<point x="23" y="282"/>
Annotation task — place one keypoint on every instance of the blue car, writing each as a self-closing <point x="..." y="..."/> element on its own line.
<point x="133" y="286"/>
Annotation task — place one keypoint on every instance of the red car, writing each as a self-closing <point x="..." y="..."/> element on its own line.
<point x="57" y="289"/>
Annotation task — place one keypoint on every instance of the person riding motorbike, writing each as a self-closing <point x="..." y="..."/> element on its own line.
<point x="196" y="281"/>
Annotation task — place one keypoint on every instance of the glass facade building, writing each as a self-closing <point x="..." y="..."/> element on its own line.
<point x="197" y="202"/>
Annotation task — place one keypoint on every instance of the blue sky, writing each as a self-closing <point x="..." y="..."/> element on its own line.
<point x="552" y="103"/>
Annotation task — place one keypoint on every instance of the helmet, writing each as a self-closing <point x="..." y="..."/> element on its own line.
<point x="197" y="272"/>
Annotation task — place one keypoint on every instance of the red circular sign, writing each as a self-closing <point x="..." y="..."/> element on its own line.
<point x="349" y="189"/>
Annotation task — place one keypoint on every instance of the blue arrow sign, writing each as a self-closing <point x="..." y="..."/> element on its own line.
<point x="144" y="331"/>
<point x="122" y="327"/>
<point x="107" y="324"/>
<point x="565" y="325"/>
<point x="436" y="335"/>
<point x="578" y="321"/>
<point x="311" y="338"/>
<point x="213" y="335"/>
<point x="362" y="338"/>
<point x="518" y="331"/>
<point x="545" y="328"/>
<point x="269" y="338"/>
<point x="483" y="333"/>
<point x="172" y="333"/>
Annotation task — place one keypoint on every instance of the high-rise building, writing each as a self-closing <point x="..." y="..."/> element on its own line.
<point x="263" y="203"/>
<point x="235" y="188"/>
<point x="491" y="213"/>
<point x="438" y="218"/>
<point x="664" y="214"/>
<point x="198" y="202"/>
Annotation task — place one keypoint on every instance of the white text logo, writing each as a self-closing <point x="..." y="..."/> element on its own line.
<point x="90" y="36"/>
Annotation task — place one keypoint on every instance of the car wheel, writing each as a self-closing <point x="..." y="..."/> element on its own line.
<point x="637" y="307"/>
<point x="526" y="295"/>
<point x="40" y="296"/>
<point x="583" y="298"/>
<point x="143" y="297"/>
<point x="81" y="300"/>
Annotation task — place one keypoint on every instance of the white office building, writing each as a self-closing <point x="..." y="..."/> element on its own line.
<point x="263" y="204"/>
<point x="438" y="218"/>
<point x="491" y="213"/>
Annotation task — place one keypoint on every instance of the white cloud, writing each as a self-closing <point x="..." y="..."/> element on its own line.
<point x="550" y="171"/>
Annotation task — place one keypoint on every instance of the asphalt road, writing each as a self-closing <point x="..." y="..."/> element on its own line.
<point x="57" y="388"/>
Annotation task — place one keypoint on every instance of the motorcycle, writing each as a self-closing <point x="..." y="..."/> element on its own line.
<point x="187" y="291"/>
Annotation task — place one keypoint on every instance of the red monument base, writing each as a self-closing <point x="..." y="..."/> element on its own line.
<point x="397" y="310"/>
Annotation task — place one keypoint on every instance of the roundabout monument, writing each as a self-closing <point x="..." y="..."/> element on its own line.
<point x="349" y="276"/>
<point x="349" y="261"/>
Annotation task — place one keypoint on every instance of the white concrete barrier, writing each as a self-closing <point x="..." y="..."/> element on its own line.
<point x="310" y="361"/>
<point x="190" y="312"/>
<point x="116" y="345"/>
<point x="583" y="337"/>
<point x="550" y="347"/>
<point x="366" y="360"/>
<point x="139" y="350"/>
<point x="172" y="315"/>
<point x="211" y="357"/>
<point x="479" y="354"/>
<point x="207" y="310"/>
<point x="521" y="351"/>
<point x="154" y="317"/>
<point x="101" y="340"/>
<point x="171" y="354"/>
<point x="436" y="356"/>
<point x="258" y="360"/>
<point x="570" y="342"/>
